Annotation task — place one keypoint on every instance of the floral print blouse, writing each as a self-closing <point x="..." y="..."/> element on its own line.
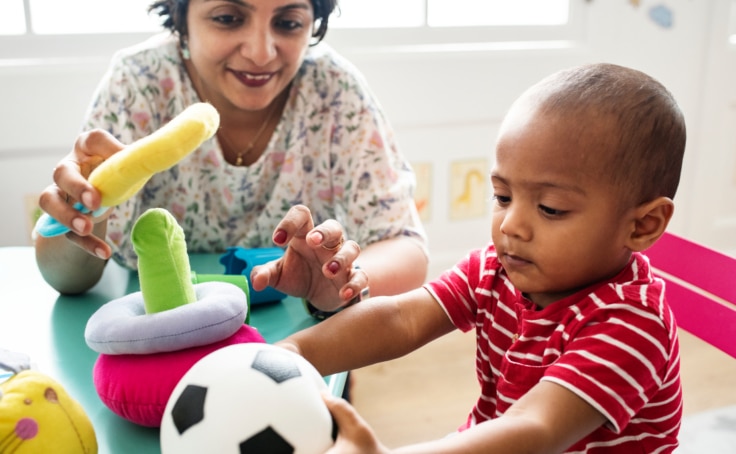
<point x="333" y="150"/>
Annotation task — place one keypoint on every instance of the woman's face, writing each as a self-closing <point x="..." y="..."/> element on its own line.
<point x="244" y="53"/>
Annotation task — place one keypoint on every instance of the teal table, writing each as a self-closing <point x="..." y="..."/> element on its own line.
<point x="37" y="321"/>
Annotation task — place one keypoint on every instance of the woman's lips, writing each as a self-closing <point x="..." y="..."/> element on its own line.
<point x="253" y="79"/>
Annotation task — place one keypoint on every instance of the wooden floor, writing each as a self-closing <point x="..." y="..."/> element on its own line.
<point x="428" y="393"/>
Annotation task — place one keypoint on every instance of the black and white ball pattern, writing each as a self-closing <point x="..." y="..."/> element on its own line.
<point x="248" y="398"/>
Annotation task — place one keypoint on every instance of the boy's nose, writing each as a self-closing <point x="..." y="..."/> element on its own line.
<point x="515" y="223"/>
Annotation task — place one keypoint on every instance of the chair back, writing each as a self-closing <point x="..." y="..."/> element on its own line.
<point x="700" y="288"/>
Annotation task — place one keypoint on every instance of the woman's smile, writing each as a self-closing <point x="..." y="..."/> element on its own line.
<point x="253" y="80"/>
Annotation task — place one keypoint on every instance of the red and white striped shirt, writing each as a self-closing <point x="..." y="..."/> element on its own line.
<point x="614" y="344"/>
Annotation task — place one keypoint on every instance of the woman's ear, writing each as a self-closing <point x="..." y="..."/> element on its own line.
<point x="650" y="222"/>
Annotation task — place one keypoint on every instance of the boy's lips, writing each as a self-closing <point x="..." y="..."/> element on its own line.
<point x="514" y="261"/>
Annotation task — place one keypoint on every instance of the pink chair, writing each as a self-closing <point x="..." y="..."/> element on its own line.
<point x="701" y="289"/>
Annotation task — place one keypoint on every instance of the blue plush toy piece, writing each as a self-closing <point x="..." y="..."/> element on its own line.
<point x="47" y="226"/>
<point x="241" y="261"/>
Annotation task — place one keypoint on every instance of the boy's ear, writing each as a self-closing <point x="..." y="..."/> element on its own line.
<point x="650" y="222"/>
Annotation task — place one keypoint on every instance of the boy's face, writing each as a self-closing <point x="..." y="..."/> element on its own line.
<point x="558" y="225"/>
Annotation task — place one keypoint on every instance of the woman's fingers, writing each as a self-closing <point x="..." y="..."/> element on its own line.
<point x="70" y="180"/>
<point x="91" y="244"/>
<point x="329" y="236"/>
<point x="94" y="147"/>
<point x="90" y="150"/>
<point x="358" y="283"/>
<point x="324" y="248"/>
<point x="265" y="275"/>
<point x="70" y="176"/>
<point x="295" y="224"/>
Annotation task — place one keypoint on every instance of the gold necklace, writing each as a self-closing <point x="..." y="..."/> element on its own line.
<point x="246" y="151"/>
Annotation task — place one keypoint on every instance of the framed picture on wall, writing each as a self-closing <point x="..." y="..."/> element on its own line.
<point x="468" y="189"/>
<point x="423" y="194"/>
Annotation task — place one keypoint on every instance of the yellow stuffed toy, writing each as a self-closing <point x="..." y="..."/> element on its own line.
<point x="124" y="173"/>
<point x="37" y="415"/>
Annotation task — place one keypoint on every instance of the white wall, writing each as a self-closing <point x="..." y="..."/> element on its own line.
<point x="446" y="107"/>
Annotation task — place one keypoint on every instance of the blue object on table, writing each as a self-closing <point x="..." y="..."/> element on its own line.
<point x="240" y="260"/>
<point x="47" y="226"/>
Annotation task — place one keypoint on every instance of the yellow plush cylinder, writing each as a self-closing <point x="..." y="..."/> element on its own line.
<point x="125" y="172"/>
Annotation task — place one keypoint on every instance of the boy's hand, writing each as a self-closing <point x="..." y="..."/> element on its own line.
<point x="354" y="434"/>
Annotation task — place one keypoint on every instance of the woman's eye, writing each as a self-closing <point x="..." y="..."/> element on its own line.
<point x="227" y="19"/>
<point x="288" y="25"/>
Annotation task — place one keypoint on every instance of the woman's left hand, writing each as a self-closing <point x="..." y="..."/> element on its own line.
<point x="317" y="263"/>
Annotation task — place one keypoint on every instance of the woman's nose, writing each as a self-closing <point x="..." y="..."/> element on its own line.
<point x="259" y="45"/>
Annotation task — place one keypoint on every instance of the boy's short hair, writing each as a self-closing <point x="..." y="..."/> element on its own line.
<point x="646" y="160"/>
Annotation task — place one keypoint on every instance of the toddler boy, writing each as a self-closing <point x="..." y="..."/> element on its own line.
<point x="577" y="349"/>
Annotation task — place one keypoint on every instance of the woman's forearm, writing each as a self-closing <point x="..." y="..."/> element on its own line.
<point x="394" y="266"/>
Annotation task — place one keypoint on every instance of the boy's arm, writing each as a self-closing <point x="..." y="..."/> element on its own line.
<point x="548" y="419"/>
<point x="378" y="329"/>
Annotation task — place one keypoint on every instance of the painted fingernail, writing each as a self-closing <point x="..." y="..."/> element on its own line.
<point x="279" y="237"/>
<point x="334" y="267"/>
<point x="78" y="224"/>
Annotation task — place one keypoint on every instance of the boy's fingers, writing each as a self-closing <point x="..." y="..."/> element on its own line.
<point x="345" y="414"/>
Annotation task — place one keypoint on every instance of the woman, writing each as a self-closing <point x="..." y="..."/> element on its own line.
<point x="298" y="128"/>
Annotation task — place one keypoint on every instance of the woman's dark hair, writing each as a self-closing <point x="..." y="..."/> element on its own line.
<point x="173" y="14"/>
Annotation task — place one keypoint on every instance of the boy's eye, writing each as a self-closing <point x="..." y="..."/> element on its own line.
<point x="551" y="211"/>
<point x="502" y="200"/>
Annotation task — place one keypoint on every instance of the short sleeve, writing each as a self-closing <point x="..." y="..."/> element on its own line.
<point x="457" y="290"/>
<point x="617" y="361"/>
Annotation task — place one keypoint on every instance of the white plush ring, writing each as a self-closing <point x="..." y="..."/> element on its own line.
<point x="123" y="327"/>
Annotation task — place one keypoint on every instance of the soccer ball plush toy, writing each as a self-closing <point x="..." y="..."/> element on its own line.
<point x="248" y="398"/>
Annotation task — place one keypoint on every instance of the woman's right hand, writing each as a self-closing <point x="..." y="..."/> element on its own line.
<point x="71" y="185"/>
